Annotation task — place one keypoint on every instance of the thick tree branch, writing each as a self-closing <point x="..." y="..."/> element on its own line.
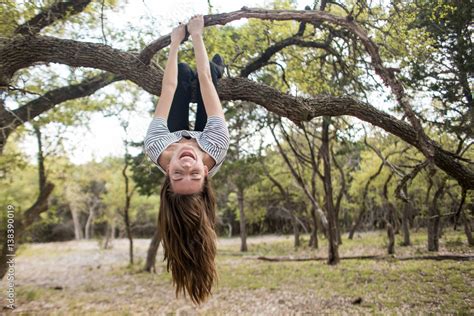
<point x="20" y="52"/>
<point x="9" y="120"/>
<point x="427" y="146"/>
<point x="87" y="87"/>
<point x="58" y="11"/>
<point x="24" y="51"/>
<point x="299" y="109"/>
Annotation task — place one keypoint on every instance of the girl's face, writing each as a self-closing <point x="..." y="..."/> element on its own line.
<point x="187" y="170"/>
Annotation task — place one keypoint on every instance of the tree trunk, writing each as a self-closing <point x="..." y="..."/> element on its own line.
<point x="313" y="240"/>
<point x="406" y="219"/>
<point x="338" y="230"/>
<point x="89" y="223"/>
<point x="392" y="223"/>
<point x="405" y="224"/>
<point x="467" y="228"/>
<point x="229" y="234"/>
<point x="5" y="256"/>
<point x="41" y="167"/>
<point x="339" y="235"/>
<point x="29" y="217"/>
<point x="77" y="225"/>
<point x="391" y="239"/>
<point x="128" y="229"/>
<point x="356" y="224"/>
<point x="333" y="253"/>
<point x="243" y="224"/>
<point x="109" y="234"/>
<point x="364" y="202"/>
<point x="152" y="251"/>
<point x="126" y="215"/>
<point x="112" y="230"/>
<point x="434" y="222"/>
<point x="296" y="231"/>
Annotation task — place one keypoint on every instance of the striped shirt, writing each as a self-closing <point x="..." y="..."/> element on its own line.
<point x="214" y="140"/>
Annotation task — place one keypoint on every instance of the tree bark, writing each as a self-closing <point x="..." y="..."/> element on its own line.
<point x="313" y="239"/>
<point x="29" y="217"/>
<point x="10" y="120"/>
<point x="23" y="51"/>
<point x="434" y="221"/>
<point x="468" y="229"/>
<point x="58" y="11"/>
<point x="109" y="234"/>
<point x="88" y="229"/>
<point x="243" y="222"/>
<point x="41" y="167"/>
<point x="358" y="222"/>
<point x="229" y="233"/>
<point x="152" y="251"/>
<point x="405" y="224"/>
<point x="333" y="252"/>
<point x="391" y="239"/>
<point x="406" y="214"/>
<point x="126" y="209"/>
<point x="296" y="231"/>
<point x="339" y="196"/>
<point x="364" y="202"/>
<point x="77" y="225"/>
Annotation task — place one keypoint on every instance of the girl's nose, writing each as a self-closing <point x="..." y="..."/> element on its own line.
<point x="187" y="164"/>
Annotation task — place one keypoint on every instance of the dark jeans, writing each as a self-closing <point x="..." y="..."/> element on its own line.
<point x="178" y="118"/>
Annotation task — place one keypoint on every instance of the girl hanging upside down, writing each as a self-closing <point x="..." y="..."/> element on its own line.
<point x="188" y="159"/>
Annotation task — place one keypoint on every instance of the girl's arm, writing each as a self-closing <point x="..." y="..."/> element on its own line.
<point x="170" y="76"/>
<point x="209" y="94"/>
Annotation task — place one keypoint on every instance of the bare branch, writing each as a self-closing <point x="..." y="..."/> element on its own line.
<point x="263" y="59"/>
<point x="9" y="120"/>
<point x="58" y="11"/>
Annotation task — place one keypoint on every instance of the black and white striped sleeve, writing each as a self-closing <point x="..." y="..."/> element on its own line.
<point x="156" y="138"/>
<point x="216" y="133"/>
<point x="215" y="140"/>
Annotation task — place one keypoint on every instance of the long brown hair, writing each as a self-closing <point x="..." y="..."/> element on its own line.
<point x="187" y="224"/>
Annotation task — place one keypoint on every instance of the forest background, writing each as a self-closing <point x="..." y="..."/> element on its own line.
<point x="345" y="117"/>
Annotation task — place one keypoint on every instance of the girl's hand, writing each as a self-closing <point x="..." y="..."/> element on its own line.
<point x="178" y="33"/>
<point x="196" y="25"/>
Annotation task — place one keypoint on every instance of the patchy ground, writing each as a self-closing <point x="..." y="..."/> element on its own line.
<point x="78" y="277"/>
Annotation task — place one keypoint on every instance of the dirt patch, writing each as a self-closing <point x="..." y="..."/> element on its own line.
<point x="78" y="277"/>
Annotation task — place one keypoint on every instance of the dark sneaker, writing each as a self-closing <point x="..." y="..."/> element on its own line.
<point x="219" y="62"/>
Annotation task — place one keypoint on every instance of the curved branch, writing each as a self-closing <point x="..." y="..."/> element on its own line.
<point x="58" y="11"/>
<point x="20" y="52"/>
<point x="24" y="51"/>
<point x="299" y="109"/>
<point x="47" y="101"/>
<point x="9" y="120"/>
<point x="272" y="50"/>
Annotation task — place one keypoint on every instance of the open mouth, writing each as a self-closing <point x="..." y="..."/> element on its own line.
<point x="187" y="153"/>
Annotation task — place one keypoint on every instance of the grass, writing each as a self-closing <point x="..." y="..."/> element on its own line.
<point x="250" y="286"/>
<point x="423" y="285"/>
